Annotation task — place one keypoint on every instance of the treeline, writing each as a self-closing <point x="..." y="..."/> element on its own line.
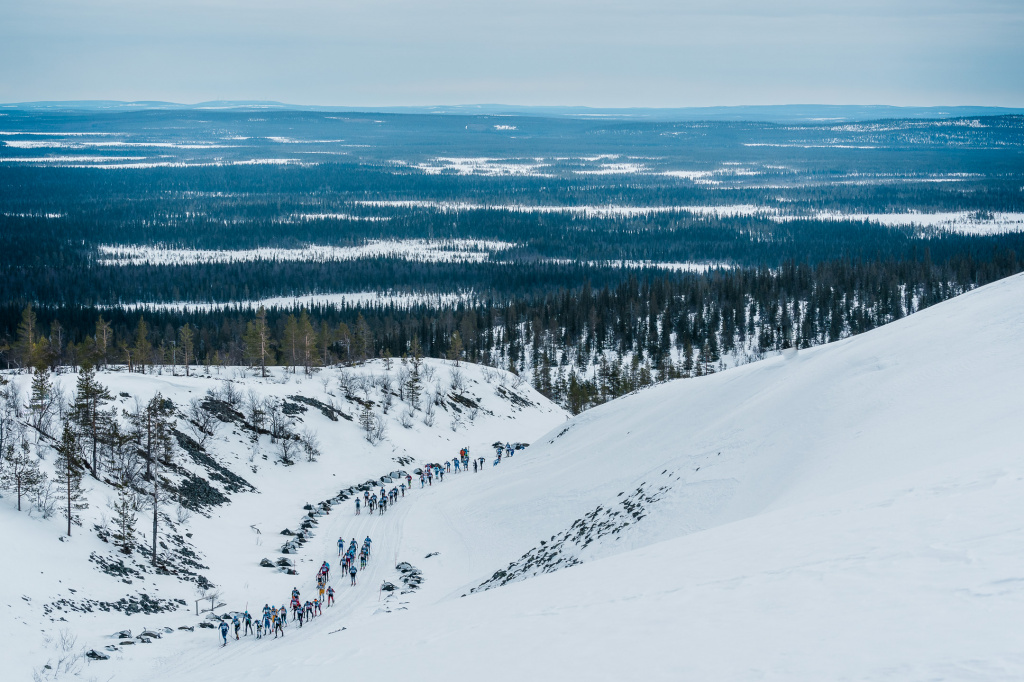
<point x="578" y="345"/>
<point x="49" y="262"/>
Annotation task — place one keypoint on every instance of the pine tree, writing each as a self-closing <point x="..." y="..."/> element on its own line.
<point x="19" y="471"/>
<point x="257" y="341"/>
<point x="69" y="467"/>
<point x="152" y="432"/>
<point x="142" y="349"/>
<point x="324" y="340"/>
<point x="187" y="342"/>
<point x="104" y="340"/>
<point x="26" y="348"/>
<point x="455" y="348"/>
<point x="291" y="342"/>
<point x="307" y="343"/>
<point x="90" y="396"/>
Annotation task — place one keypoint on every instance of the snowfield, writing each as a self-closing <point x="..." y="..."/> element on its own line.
<point x="852" y="511"/>
<point x="426" y="250"/>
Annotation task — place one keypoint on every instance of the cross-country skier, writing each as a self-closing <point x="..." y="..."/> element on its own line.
<point x="330" y="596"/>
<point x="248" y="623"/>
<point x="236" y="624"/>
<point x="357" y="506"/>
<point x="352" y="573"/>
<point x="224" y="632"/>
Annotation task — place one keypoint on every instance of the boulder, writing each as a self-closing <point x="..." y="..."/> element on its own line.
<point x="124" y="634"/>
<point x="207" y="624"/>
<point x="284" y="562"/>
<point x="266" y="563"/>
<point x="190" y="628"/>
<point x="287" y="532"/>
<point x="97" y="655"/>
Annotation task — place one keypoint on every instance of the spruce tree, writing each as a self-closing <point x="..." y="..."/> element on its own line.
<point x="125" y="508"/>
<point x="41" y="400"/>
<point x="367" y="420"/>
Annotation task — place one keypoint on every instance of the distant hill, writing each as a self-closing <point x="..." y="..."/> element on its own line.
<point x="773" y="113"/>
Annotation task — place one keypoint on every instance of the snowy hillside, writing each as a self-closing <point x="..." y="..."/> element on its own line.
<point x="849" y="512"/>
<point x="238" y="495"/>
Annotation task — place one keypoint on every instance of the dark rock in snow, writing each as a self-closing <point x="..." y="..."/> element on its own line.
<point x="284" y="562"/>
<point x="97" y="655"/>
<point x="190" y="628"/>
<point x="207" y="624"/>
<point x="266" y="563"/>
<point x="287" y="532"/>
<point x="124" y="634"/>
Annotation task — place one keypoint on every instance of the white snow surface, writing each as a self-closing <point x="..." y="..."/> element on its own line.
<point x="849" y="512"/>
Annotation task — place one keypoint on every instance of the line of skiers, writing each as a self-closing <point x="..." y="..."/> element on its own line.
<point x="373" y="501"/>
<point x="274" y="619"/>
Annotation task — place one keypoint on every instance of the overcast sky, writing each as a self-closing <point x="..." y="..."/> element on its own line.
<point x="612" y="53"/>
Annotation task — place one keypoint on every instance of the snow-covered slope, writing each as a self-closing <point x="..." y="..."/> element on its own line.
<point x="53" y="585"/>
<point x="851" y="512"/>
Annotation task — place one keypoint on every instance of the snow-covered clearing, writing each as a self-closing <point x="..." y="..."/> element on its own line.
<point x="453" y="250"/>
<point x="586" y="211"/>
<point x="962" y="222"/>
<point x="362" y="298"/>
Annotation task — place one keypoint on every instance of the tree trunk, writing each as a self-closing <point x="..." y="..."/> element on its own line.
<point x="68" y="473"/>
<point x="155" y="508"/>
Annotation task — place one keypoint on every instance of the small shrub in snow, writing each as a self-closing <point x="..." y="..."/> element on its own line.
<point x="286" y="448"/>
<point x="457" y="380"/>
<point x="310" y="444"/>
<point x="201" y="423"/>
<point x="406" y="419"/>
